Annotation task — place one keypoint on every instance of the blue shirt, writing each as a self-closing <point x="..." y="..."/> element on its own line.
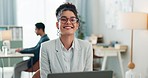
<point x="35" y="50"/>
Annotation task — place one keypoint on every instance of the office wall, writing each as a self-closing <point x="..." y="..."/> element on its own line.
<point x="141" y="40"/>
<point x="111" y="34"/>
<point x="30" y="12"/>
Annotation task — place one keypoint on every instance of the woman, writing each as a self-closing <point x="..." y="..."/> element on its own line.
<point x="67" y="53"/>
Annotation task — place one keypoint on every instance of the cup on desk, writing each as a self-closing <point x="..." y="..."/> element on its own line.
<point x="1" y="51"/>
<point x="113" y="43"/>
<point x="5" y="50"/>
<point x="119" y="46"/>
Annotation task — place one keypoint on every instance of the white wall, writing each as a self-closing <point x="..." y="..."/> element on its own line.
<point x="140" y="39"/>
<point x="30" y="12"/>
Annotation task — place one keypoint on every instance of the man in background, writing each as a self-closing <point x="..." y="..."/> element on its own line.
<point x="24" y="65"/>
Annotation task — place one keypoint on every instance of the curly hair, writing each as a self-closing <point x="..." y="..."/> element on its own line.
<point x="66" y="6"/>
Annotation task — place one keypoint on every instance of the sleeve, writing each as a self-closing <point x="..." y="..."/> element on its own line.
<point x="89" y="59"/>
<point x="44" y="62"/>
<point x="31" y="50"/>
<point x="36" y="48"/>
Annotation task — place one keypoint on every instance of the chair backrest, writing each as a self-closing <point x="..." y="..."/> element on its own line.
<point x="36" y="74"/>
<point x="34" y="68"/>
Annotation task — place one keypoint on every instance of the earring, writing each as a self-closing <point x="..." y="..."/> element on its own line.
<point x="58" y="32"/>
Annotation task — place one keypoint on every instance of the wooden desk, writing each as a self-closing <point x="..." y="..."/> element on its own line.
<point x="14" y="55"/>
<point x="107" y="52"/>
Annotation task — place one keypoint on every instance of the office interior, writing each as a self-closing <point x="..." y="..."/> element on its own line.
<point x="100" y="17"/>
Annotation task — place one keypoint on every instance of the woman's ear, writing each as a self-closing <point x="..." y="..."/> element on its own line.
<point x="78" y="24"/>
<point x="57" y="25"/>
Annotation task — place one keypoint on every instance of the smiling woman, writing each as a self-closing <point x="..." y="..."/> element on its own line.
<point x="66" y="53"/>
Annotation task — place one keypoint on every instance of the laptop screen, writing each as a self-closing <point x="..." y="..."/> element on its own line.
<point x="90" y="74"/>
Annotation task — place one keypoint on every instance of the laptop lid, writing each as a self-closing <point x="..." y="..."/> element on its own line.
<point x="90" y="74"/>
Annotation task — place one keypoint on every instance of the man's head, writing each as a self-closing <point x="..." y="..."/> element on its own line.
<point x="40" y="28"/>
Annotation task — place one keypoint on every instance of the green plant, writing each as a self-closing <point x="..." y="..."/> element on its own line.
<point x="80" y="32"/>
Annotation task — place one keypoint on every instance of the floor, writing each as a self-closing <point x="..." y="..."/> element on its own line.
<point x="9" y="70"/>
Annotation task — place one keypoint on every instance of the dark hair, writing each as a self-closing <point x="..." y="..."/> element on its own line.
<point x="40" y="26"/>
<point x="65" y="7"/>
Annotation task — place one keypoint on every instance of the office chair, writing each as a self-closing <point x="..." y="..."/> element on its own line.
<point x="96" y="66"/>
<point x="34" y="68"/>
<point x="37" y="74"/>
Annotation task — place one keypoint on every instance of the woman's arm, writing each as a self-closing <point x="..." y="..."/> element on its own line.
<point x="44" y="62"/>
<point x="89" y="59"/>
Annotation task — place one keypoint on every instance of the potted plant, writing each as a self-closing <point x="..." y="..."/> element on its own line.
<point x="80" y="32"/>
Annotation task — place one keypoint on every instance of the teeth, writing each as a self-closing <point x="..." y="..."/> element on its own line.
<point x="68" y="27"/>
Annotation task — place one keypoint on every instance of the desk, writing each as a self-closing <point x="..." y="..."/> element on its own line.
<point x="14" y="55"/>
<point x="110" y="51"/>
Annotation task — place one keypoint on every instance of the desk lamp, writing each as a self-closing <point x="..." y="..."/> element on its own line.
<point x="132" y="21"/>
<point x="6" y="37"/>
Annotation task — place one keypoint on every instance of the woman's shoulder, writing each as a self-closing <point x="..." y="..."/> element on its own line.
<point x="83" y="42"/>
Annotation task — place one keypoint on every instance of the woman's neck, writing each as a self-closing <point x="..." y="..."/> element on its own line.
<point x="67" y="41"/>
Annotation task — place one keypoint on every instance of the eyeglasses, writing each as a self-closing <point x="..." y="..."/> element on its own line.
<point x="64" y="19"/>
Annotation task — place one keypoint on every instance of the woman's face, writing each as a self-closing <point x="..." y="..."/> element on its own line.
<point x="67" y="23"/>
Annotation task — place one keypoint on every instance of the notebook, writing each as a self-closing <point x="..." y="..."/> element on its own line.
<point x="90" y="74"/>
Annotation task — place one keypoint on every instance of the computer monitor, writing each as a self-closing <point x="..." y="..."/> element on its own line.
<point x="90" y="74"/>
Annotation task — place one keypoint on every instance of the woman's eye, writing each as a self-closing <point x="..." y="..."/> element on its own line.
<point x="63" y="20"/>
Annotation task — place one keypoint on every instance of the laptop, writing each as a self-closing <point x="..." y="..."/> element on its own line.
<point x="90" y="74"/>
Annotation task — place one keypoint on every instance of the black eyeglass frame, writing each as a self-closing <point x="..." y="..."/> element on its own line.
<point x="62" y="18"/>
